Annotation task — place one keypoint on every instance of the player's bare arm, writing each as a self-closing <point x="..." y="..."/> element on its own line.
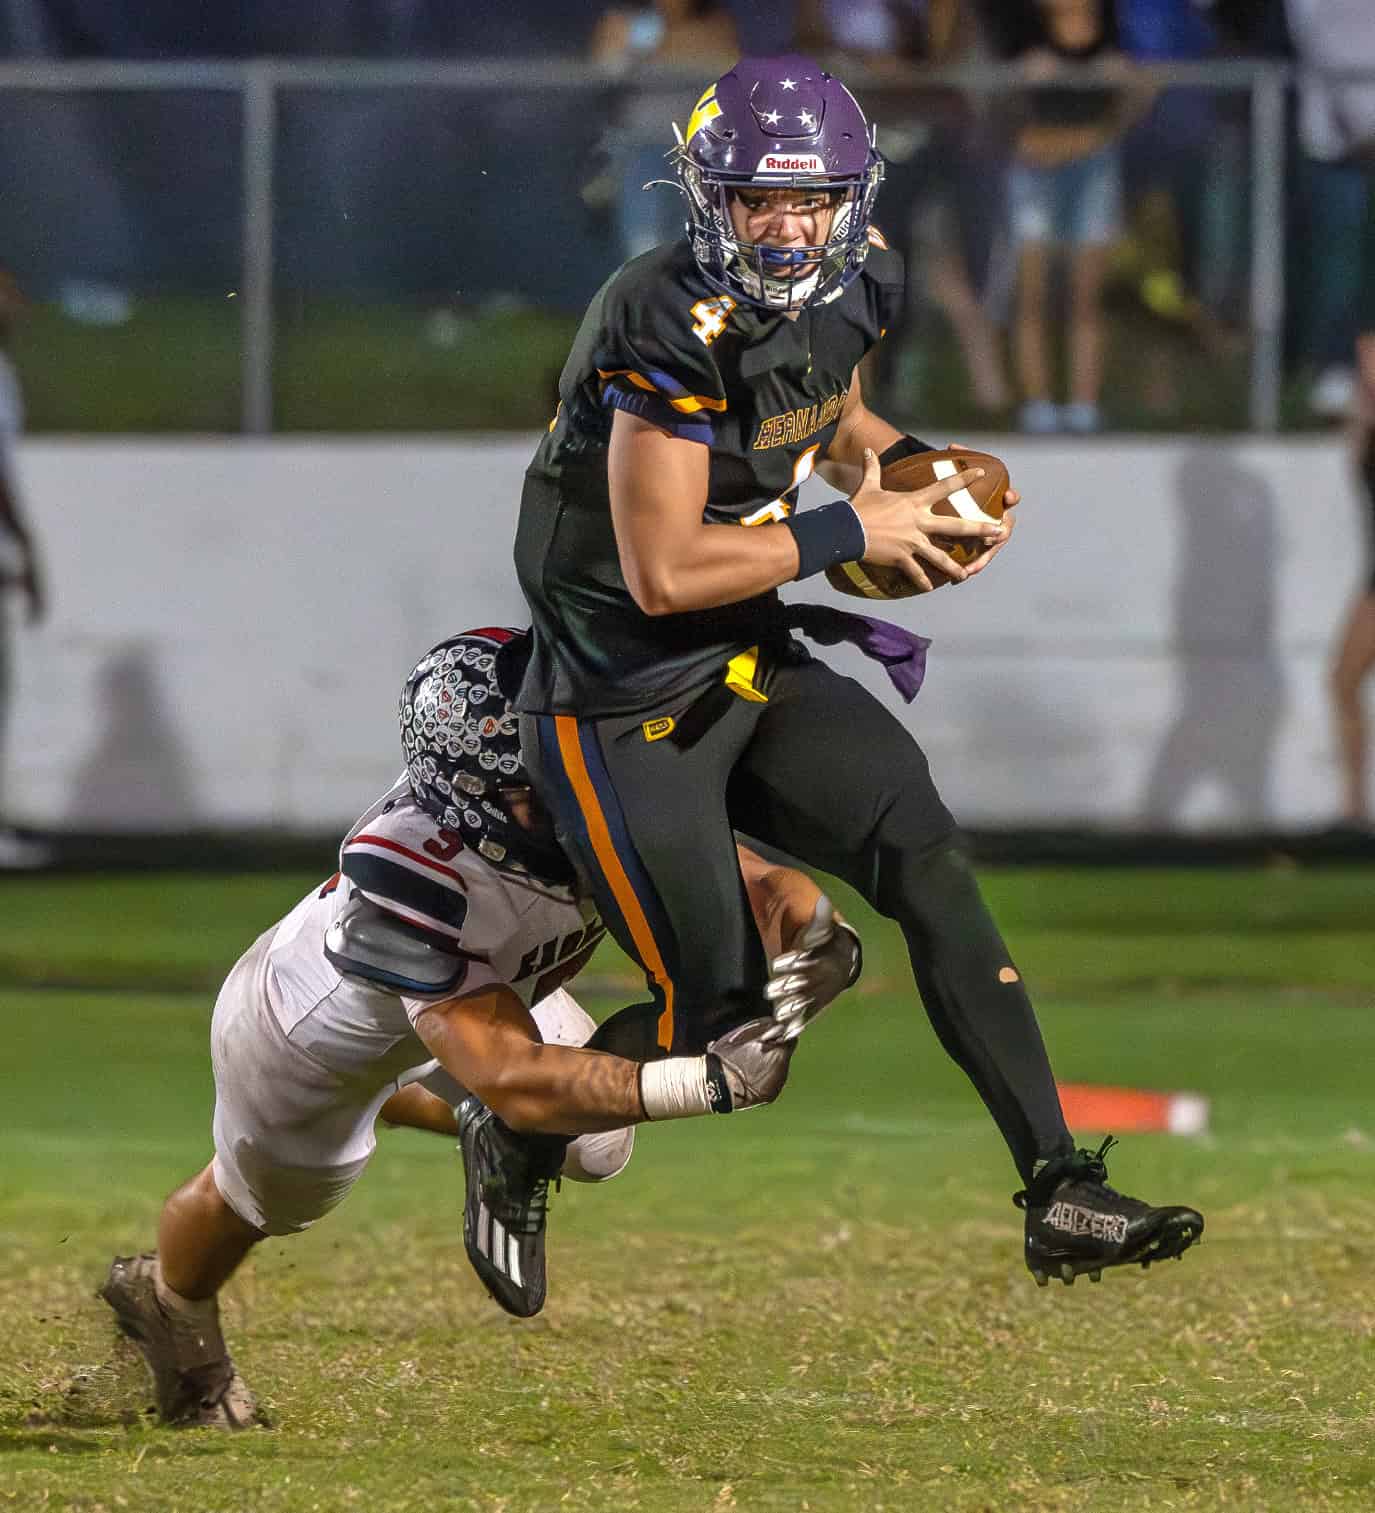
<point x="671" y="558"/>
<point x="674" y="561"/>
<point x="488" y="1042"/>
<point x="782" y="899"/>
<point x="814" y="955"/>
<point x="858" y="430"/>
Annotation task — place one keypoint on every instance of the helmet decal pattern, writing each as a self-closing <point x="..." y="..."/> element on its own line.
<point x="461" y="741"/>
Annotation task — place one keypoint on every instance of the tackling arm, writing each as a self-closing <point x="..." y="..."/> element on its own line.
<point x="782" y="899"/>
<point x="814" y="954"/>
<point x="488" y="1042"/>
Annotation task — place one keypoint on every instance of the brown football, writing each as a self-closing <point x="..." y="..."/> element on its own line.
<point x="981" y="500"/>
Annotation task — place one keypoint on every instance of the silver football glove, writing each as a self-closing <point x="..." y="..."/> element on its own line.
<point x="753" y="1063"/>
<point x="825" y="960"/>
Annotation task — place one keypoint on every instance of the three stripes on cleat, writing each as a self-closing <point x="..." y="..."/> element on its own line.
<point x="501" y="1248"/>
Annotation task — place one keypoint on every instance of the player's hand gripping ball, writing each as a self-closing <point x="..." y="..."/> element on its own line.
<point x="982" y="499"/>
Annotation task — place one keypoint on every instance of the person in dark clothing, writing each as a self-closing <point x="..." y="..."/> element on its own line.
<point x="666" y="703"/>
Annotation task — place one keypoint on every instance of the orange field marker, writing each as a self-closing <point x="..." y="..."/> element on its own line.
<point x="1132" y="1110"/>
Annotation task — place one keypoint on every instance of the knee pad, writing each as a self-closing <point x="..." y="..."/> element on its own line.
<point x="562" y="1020"/>
<point x="598" y="1158"/>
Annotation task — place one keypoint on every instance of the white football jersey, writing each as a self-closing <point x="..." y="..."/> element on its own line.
<point x="501" y="930"/>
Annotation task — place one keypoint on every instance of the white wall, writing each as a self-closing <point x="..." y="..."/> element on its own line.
<point x="232" y="620"/>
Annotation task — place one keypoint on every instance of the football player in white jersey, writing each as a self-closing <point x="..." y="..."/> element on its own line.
<point x="435" y="957"/>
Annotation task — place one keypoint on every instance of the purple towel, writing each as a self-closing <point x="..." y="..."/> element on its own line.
<point x="902" y="652"/>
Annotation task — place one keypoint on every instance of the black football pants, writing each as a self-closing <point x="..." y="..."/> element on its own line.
<point x="822" y="772"/>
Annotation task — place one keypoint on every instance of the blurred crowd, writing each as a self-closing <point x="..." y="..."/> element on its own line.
<point x="1035" y="217"/>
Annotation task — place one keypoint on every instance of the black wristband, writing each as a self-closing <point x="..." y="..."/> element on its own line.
<point x="833" y="533"/>
<point x="718" y="1089"/>
<point x="904" y="446"/>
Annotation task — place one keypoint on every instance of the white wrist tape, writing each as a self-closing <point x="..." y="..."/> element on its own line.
<point x="676" y="1088"/>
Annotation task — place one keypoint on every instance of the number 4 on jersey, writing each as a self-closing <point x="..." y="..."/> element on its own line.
<point x="710" y="316"/>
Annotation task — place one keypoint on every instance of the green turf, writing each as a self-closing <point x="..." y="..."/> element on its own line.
<point x="819" y="1306"/>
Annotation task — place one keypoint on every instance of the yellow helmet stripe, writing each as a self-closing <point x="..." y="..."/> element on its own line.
<point x="705" y="111"/>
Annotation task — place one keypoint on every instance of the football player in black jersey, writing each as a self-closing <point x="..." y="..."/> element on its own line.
<point x="667" y="703"/>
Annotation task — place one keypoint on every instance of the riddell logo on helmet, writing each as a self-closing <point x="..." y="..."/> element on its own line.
<point x="796" y="162"/>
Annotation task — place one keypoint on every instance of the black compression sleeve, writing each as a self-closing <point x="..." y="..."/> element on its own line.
<point x="904" y="446"/>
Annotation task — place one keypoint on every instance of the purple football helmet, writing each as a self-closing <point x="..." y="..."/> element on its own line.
<point x="770" y="123"/>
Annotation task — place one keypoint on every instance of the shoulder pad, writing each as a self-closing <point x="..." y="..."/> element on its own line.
<point x="366" y="941"/>
<point x="404" y="862"/>
<point x="656" y="335"/>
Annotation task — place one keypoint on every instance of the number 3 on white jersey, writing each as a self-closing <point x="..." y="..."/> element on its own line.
<point x="779" y="509"/>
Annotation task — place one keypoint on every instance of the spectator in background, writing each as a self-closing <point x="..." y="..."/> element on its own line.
<point x="1336" y="172"/>
<point x="18" y="559"/>
<point x="936" y="170"/>
<point x="696" y="33"/>
<point x="1355" y="656"/>
<point x="1188" y="149"/>
<point x="1185" y="262"/>
<point x="1065" y="189"/>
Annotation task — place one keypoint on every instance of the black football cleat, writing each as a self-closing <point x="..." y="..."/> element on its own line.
<point x="505" y="1205"/>
<point x="1076" y="1223"/>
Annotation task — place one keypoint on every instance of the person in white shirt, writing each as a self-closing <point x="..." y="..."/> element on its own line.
<point x="19" y="569"/>
<point x="1334" y="43"/>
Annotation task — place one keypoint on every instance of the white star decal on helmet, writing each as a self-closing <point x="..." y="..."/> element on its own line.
<point x="773" y="117"/>
<point x="788" y="83"/>
<point x="805" y="118"/>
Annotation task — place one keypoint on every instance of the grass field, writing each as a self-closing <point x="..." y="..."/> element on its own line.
<point x="819" y="1307"/>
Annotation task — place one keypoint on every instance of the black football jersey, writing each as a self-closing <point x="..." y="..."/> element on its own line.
<point x="763" y="393"/>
